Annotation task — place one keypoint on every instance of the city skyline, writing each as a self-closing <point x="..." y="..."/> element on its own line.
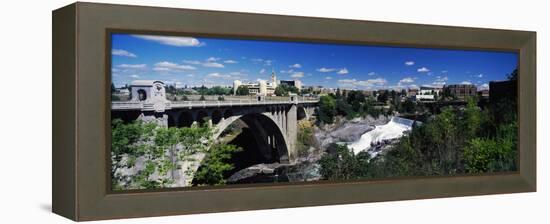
<point x="195" y="61"/>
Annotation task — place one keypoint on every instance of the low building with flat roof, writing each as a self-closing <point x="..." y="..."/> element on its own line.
<point x="462" y="91"/>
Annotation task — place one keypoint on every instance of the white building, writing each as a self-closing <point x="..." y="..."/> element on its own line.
<point x="427" y="94"/>
<point x="261" y="88"/>
<point x="150" y="93"/>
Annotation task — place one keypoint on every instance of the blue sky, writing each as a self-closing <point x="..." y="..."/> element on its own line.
<point x="196" y="61"/>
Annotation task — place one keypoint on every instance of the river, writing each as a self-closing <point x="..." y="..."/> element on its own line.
<point x="269" y="173"/>
<point x="395" y="128"/>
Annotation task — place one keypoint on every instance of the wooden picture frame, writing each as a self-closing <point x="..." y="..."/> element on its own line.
<point x="81" y="111"/>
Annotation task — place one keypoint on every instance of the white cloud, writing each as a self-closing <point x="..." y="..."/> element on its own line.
<point x="132" y="66"/>
<point x="230" y="62"/>
<point x="161" y="69"/>
<point x="405" y="81"/>
<point x="409" y="63"/>
<point x="371" y="73"/>
<point x="326" y="69"/>
<point x="440" y="81"/>
<point x="297" y="75"/>
<point x="210" y="63"/>
<point x="135" y="76"/>
<point x="212" y="59"/>
<point x="213" y="65"/>
<point x="480" y="76"/>
<point x="120" y="52"/>
<point x="347" y="80"/>
<point x="237" y="74"/>
<point x="328" y="77"/>
<point x="266" y="62"/>
<point x="169" y="66"/>
<point x="485" y="86"/>
<point x="466" y="83"/>
<point x="262" y="71"/>
<point x="191" y="62"/>
<point x="423" y="69"/>
<point x="172" y="41"/>
<point x="444" y="71"/>
<point x="295" y="66"/>
<point x="218" y="75"/>
<point x="369" y="83"/>
<point x="343" y="71"/>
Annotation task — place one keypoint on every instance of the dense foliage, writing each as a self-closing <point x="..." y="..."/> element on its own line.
<point x="242" y="91"/>
<point x="458" y="140"/>
<point x="215" y="165"/>
<point x="327" y="109"/>
<point x="157" y="150"/>
<point x="356" y="104"/>
<point x="342" y="164"/>
<point x="305" y="138"/>
<point x="285" y="90"/>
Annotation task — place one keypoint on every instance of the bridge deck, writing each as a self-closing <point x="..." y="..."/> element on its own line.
<point x="133" y="105"/>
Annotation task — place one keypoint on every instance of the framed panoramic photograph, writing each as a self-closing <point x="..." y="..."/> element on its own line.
<point x="201" y="111"/>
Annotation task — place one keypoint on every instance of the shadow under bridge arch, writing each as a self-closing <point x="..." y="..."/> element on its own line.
<point x="270" y="142"/>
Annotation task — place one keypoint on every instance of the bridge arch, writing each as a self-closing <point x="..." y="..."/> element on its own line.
<point x="301" y="113"/>
<point x="227" y="114"/>
<point x="271" y="139"/>
<point x="185" y="119"/>
<point x="270" y="142"/>
<point x="202" y="116"/>
<point x="216" y="116"/>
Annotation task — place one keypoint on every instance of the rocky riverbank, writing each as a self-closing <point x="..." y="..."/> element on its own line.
<point x="344" y="130"/>
<point x="306" y="167"/>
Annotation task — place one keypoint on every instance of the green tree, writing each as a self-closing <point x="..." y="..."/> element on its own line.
<point x="327" y="109"/>
<point x="340" y="164"/>
<point x="493" y="154"/>
<point x="202" y="98"/>
<point x="305" y="138"/>
<point x="356" y="99"/>
<point x="113" y="89"/>
<point x="160" y="148"/>
<point x="383" y="97"/>
<point x="242" y="91"/>
<point x="216" y="164"/>
<point x="281" y="91"/>
<point x="471" y="119"/>
<point x="284" y="90"/>
<point x="344" y="109"/>
<point x="408" y="106"/>
<point x="218" y="90"/>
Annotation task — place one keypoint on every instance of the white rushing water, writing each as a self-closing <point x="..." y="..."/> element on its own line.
<point x="393" y="129"/>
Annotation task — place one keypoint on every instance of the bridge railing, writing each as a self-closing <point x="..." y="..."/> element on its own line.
<point x="134" y="105"/>
<point x="232" y="103"/>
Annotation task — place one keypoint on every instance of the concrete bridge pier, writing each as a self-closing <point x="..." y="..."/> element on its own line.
<point x="291" y="132"/>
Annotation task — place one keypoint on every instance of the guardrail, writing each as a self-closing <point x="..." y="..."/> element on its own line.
<point x="132" y="105"/>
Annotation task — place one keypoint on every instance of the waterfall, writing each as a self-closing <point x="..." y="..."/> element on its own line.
<point x="395" y="128"/>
